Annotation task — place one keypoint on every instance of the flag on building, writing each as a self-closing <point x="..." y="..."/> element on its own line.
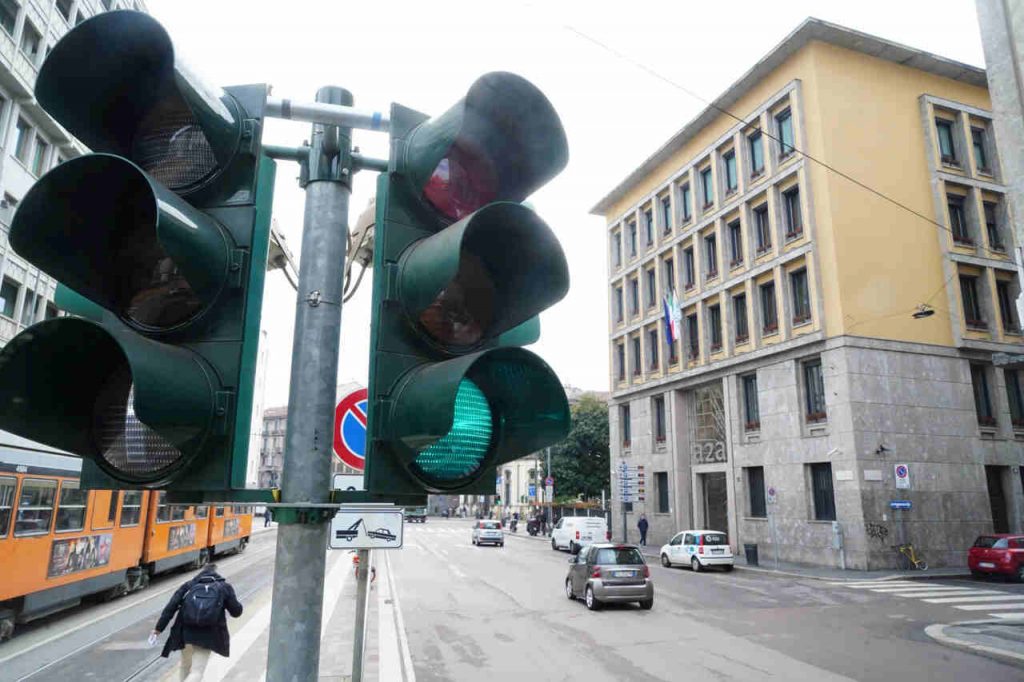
<point x="671" y="310"/>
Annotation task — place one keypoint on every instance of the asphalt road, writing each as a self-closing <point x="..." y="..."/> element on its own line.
<point x="501" y="614"/>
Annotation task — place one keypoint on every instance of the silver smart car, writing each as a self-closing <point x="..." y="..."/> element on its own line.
<point x="606" y="573"/>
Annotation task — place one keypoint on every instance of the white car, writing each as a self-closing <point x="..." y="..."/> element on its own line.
<point x="578" y="531"/>
<point x="699" y="549"/>
<point x="487" y="532"/>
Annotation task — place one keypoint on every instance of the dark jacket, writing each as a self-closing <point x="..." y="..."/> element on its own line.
<point x="216" y="638"/>
<point x="642" y="525"/>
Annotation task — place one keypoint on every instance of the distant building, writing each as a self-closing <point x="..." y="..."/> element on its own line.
<point x="252" y="473"/>
<point x="275" y="419"/>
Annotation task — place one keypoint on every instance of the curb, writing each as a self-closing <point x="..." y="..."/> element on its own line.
<point x="938" y="633"/>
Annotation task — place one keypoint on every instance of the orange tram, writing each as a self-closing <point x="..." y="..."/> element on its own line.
<point x="59" y="543"/>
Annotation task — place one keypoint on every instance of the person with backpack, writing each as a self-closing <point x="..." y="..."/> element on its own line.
<point x="201" y="626"/>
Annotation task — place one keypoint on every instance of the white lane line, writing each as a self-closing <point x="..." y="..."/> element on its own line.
<point x="876" y="583"/>
<point x="884" y="590"/>
<point x="389" y="657"/>
<point x="954" y="596"/>
<point x="408" y="673"/>
<point x="1002" y="596"/>
<point x="443" y="558"/>
<point x="991" y="607"/>
<point x="1008" y="616"/>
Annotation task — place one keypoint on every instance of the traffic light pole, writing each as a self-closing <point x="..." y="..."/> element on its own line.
<point x="294" y="650"/>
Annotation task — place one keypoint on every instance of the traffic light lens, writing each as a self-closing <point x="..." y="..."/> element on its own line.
<point x="460" y="452"/>
<point x="463" y="311"/>
<point x="128" y="445"/>
<point x="462" y="182"/>
<point x="170" y="145"/>
<point x="156" y="294"/>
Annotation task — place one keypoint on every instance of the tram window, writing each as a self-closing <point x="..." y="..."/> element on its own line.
<point x="112" y="509"/>
<point x="219" y="511"/>
<point x="202" y="512"/>
<point x="163" y="512"/>
<point x="35" y="507"/>
<point x="131" y="508"/>
<point x="178" y="512"/>
<point x="71" y="510"/>
<point x="7" y="486"/>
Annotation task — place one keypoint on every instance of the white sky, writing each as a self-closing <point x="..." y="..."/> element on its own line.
<point x="426" y="54"/>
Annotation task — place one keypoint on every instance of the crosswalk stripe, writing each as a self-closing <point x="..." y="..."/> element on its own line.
<point x="1008" y="616"/>
<point x="991" y="607"/>
<point x="965" y="595"/>
<point x="876" y="583"/>
<point x="1002" y="596"/>
<point x="921" y="589"/>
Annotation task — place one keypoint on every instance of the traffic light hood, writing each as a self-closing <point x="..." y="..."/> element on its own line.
<point x="138" y="408"/>
<point x="500" y="142"/>
<point x="103" y="227"/>
<point x="116" y="83"/>
<point x="483" y="276"/>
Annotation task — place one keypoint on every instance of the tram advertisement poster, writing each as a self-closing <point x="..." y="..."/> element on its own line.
<point x="181" y="536"/>
<point x="79" y="554"/>
<point x="230" y="527"/>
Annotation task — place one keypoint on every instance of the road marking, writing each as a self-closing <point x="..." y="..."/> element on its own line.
<point x="991" y="607"/>
<point x="1008" y="616"/>
<point x="1003" y="596"/>
<point x="966" y="595"/>
<point x="884" y="590"/>
<point x="392" y="628"/>
<point x="876" y="583"/>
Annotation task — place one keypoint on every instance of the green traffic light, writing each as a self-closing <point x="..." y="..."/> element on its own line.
<point x="460" y="452"/>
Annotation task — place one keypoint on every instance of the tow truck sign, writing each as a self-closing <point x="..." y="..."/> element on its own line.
<point x="367" y="527"/>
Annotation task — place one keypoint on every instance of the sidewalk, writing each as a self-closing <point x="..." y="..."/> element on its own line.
<point x="1002" y="640"/>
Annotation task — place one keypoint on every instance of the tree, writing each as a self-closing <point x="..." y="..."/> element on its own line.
<point x="580" y="463"/>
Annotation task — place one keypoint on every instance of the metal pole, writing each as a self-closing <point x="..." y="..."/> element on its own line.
<point x="294" y="651"/>
<point x="551" y="503"/>
<point x="327" y="113"/>
<point x="359" y="636"/>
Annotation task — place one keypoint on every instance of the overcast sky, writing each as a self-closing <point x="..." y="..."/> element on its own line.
<point x="426" y="54"/>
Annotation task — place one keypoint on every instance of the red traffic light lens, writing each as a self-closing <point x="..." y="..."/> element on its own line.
<point x="462" y="182"/>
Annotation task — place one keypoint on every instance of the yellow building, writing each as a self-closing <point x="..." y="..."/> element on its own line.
<point x="834" y="231"/>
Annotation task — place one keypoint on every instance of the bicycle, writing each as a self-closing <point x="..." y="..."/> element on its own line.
<point x="907" y="558"/>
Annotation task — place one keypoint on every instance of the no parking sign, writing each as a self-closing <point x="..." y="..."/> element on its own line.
<point x="350" y="429"/>
<point x="902" y="475"/>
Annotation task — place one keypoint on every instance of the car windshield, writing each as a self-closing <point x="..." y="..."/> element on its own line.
<point x="715" y="539"/>
<point x="989" y="542"/>
<point x="490" y="525"/>
<point x="618" y="555"/>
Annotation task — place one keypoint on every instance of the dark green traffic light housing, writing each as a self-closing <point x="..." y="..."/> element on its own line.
<point x="461" y="271"/>
<point x="160" y="241"/>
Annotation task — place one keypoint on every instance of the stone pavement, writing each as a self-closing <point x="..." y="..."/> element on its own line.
<point x="1001" y="640"/>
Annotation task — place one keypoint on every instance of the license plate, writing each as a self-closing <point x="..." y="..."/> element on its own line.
<point x="624" y="574"/>
<point x="986" y="564"/>
<point x="717" y="551"/>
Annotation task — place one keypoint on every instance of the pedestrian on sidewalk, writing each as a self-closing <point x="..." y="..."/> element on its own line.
<point x="642" y="527"/>
<point x="266" y="517"/>
<point x="200" y="626"/>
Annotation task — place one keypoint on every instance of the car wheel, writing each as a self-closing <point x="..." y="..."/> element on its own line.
<point x="474" y="541"/>
<point x="977" y="575"/>
<point x="695" y="564"/>
<point x="1020" y="573"/>
<point x="568" y="590"/>
<point x="553" y="545"/>
<point x="727" y="569"/>
<point x="572" y="547"/>
<point x="665" y="562"/>
<point x="591" y="600"/>
<point x="501" y="544"/>
<point x="646" y="604"/>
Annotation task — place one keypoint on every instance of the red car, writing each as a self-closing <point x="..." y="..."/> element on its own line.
<point x="1000" y="553"/>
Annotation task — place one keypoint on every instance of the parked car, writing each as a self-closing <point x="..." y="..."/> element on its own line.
<point x="572" y="532"/>
<point x="998" y="553"/>
<point x="607" y="573"/>
<point x="415" y="514"/>
<point x="488" y="533"/>
<point x="699" y="549"/>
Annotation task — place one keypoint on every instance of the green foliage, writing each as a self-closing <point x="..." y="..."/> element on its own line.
<point x="580" y="463"/>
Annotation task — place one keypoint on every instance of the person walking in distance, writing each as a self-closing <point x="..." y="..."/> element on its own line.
<point x="642" y="527"/>
<point x="201" y="626"/>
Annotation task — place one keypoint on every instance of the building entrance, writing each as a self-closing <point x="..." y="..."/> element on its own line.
<point x="715" y="501"/>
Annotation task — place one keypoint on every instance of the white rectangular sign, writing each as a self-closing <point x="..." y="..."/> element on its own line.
<point x="347" y="482"/>
<point x="367" y="528"/>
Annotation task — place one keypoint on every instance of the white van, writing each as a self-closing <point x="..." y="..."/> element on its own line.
<point x="576" y="531"/>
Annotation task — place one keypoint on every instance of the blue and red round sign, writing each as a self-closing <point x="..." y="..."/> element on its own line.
<point x="350" y="429"/>
<point x="902" y="471"/>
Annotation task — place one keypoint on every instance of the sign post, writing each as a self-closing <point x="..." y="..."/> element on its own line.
<point x="773" y="498"/>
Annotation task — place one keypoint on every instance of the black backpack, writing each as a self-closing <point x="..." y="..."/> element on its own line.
<point x="203" y="603"/>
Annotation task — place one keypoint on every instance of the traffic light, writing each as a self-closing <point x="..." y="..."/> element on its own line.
<point x="461" y="271"/>
<point x="160" y="241"/>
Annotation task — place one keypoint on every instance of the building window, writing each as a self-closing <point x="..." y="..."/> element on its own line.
<point x="637" y="366"/>
<point x="51" y="311"/>
<point x="617" y="304"/>
<point x="23" y="141"/>
<point x="751" y="411"/>
<point x="684" y="199"/>
<point x="692" y="337"/>
<point x="35" y="507"/>
<point x="71" y="510"/>
<point x="739" y="313"/>
<point x="992" y="226"/>
<point x="617" y="249"/>
<point x="982" y="396"/>
<point x="958" y="220"/>
<point x="769" y="318"/>
<point x="822" y="492"/>
<point x="670" y="275"/>
<point x="784" y="126"/>
<point x="652" y="288"/>
<point x="652" y="349"/>
<point x="79" y="18"/>
<point x="632" y="239"/>
<point x="659" y="419"/>
<point x="1015" y="396"/>
<point x="1007" y="308"/>
<point x="814" y="392"/>
<point x="661" y="483"/>
<point x="731" y="177"/>
<point x="735" y="244"/>
<point x="689" y="268"/>
<point x="28" y="310"/>
<point x="755" y="492"/>
<point x="972" y="306"/>
<point x="634" y="296"/>
<point x="107" y="4"/>
<point x="7" y="486"/>
<point x="715" y="325"/>
<point x="666" y="214"/>
<point x="947" y="150"/>
<point x="64" y="7"/>
<point x="980" y="155"/>
<point x="711" y="256"/>
<point x="620" y="361"/>
<point x="649" y="226"/>
<point x="763" y="229"/>
<point x="39" y="159"/>
<point x="756" y="145"/>
<point x="9" y="15"/>
<point x="624" y="426"/>
<point x="31" y="40"/>
<point x="707" y="187"/>
<point x="8" y="297"/>
<point x="791" y="207"/>
<point x="801" y="296"/>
